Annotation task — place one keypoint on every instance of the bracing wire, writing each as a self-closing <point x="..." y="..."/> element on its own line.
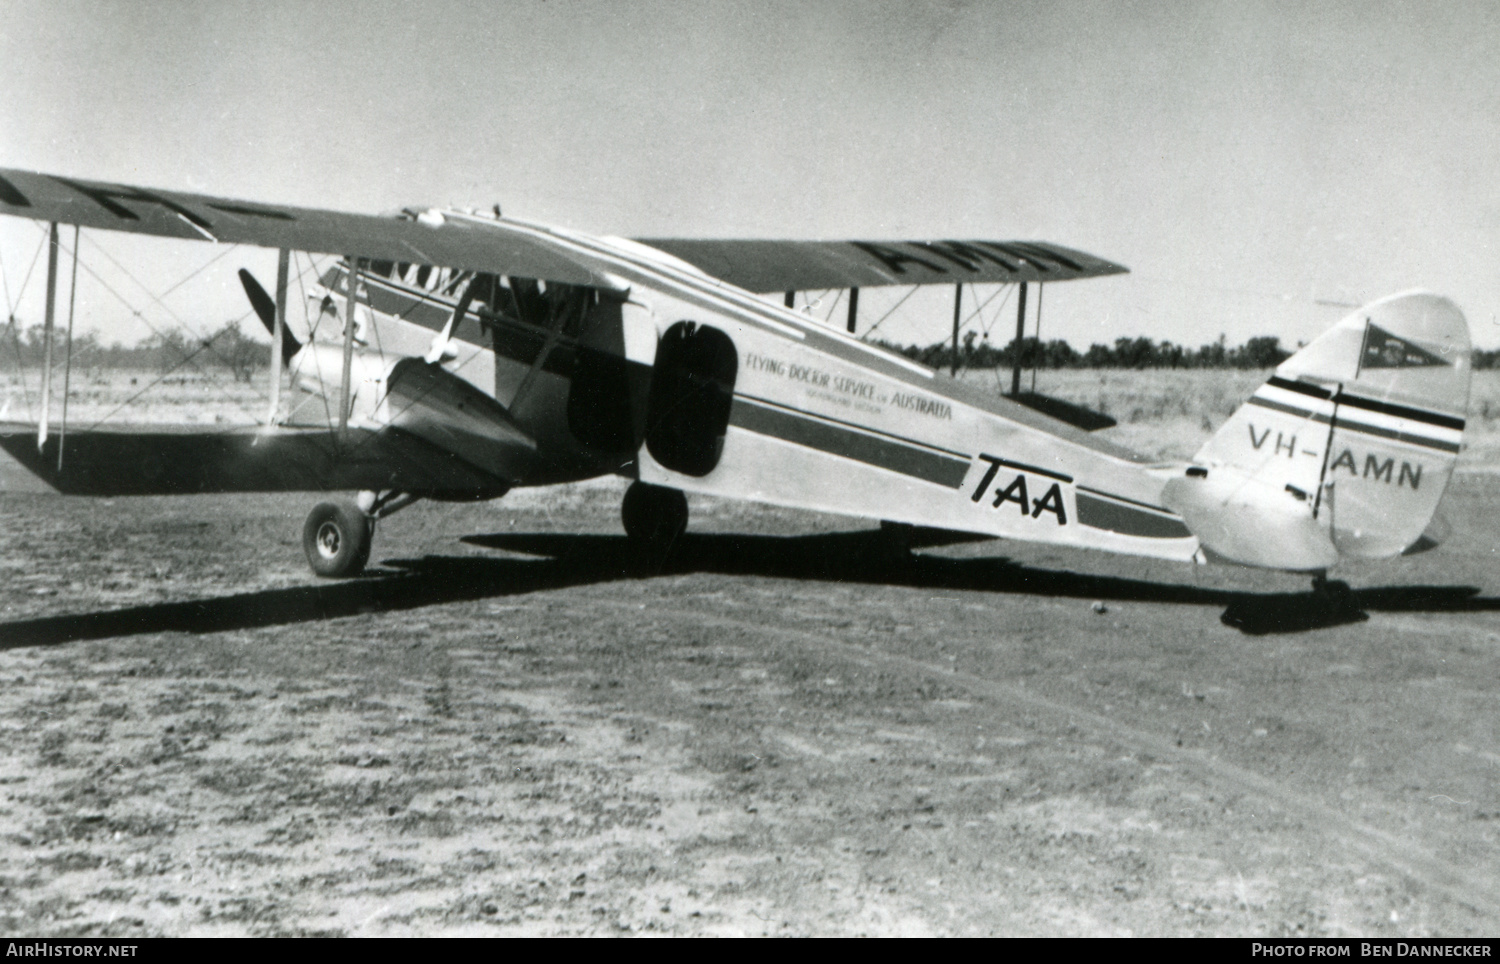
<point x="312" y="336"/>
<point x="151" y="294"/>
<point x="978" y="312"/>
<point x="150" y="385"/>
<point x="137" y="313"/>
<point x="869" y="331"/>
<point x="15" y="334"/>
<point x="312" y="266"/>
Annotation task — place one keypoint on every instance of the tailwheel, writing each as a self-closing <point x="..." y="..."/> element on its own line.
<point x="1334" y="596"/>
<point x="895" y="542"/>
<point x="336" y="539"/>
<point x="654" y="516"/>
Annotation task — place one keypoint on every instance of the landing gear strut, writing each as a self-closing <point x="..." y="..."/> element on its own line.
<point x="654" y="516"/>
<point x="337" y="535"/>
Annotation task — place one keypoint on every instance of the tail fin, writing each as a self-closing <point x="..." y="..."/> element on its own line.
<point x="1346" y="450"/>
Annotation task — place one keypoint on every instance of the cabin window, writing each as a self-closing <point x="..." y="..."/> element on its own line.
<point x="553" y="306"/>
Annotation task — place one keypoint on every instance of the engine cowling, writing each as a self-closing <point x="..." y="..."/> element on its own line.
<point x="416" y="397"/>
<point x="424" y="400"/>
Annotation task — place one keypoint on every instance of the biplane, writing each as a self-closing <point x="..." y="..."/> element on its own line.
<point x="449" y="354"/>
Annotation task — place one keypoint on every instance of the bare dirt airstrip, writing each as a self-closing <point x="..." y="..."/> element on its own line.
<point x="506" y="728"/>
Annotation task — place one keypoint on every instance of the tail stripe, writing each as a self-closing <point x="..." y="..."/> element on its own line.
<point x="1402" y="411"/>
<point x="1442" y="445"/>
<point x="1316" y="391"/>
<point x="1370" y="404"/>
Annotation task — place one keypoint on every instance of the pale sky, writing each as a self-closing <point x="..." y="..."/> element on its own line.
<point x="1245" y="160"/>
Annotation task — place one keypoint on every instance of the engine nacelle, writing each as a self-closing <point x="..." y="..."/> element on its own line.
<point x="316" y="372"/>
<point x="424" y="400"/>
<point x="418" y="398"/>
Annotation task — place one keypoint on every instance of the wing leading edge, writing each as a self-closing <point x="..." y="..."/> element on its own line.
<point x="766" y="267"/>
<point x="497" y="246"/>
<point x="463" y="243"/>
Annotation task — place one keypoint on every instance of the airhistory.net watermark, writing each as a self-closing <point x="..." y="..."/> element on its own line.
<point x="60" y="949"/>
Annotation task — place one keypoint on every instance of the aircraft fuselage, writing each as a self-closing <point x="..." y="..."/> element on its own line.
<point x="683" y="381"/>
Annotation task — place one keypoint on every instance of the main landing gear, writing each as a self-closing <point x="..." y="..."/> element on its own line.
<point x="337" y="535"/>
<point x="655" y="517"/>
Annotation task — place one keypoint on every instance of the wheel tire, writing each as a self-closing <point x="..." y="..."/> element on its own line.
<point x="654" y="515"/>
<point x="336" y="539"/>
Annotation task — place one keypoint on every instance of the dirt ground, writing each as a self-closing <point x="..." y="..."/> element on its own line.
<point x="511" y="727"/>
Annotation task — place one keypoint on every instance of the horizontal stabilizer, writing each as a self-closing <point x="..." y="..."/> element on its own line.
<point x="1240" y="518"/>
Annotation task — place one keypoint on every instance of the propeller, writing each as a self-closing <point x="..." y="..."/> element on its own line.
<point x="265" y="309"/>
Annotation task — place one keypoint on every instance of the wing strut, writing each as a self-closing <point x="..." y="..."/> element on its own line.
<point x="1040" y="355"/>
<point x="1015" y="347"/>
<point x="62" y="429"/>
<point x="344" y="392"/>
<point x="276" y="335"/>
<point x="442" y="341"/>
<point x="958" y="304"/>
<point x="41" y="428"/>
<point x="853" y="308"/>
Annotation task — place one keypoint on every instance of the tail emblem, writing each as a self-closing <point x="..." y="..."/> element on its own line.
<point x="1384" y="350"/>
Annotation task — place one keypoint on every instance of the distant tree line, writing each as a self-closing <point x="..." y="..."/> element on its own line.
<point x="1261" y="352"/>
<point x="228" y="348"/>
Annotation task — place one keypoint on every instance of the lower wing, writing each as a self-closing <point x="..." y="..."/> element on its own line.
<point x="177" y="460"/>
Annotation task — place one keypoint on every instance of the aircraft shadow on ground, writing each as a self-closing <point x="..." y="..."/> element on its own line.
<point x="557" y="561"/>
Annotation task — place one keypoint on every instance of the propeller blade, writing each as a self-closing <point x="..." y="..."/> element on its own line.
<point x="265" y="310"/>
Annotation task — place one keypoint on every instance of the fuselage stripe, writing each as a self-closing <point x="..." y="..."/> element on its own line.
<point x="855" y="426"/>
<point x="1127" y="520"/>
<point x="826" y="435"/>
<point x="1121" y="498"/>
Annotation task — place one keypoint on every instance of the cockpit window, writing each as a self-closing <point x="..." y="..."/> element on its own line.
<point x="550" y="305"/>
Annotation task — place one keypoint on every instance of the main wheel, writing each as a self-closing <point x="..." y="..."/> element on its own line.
<point x="654" y="515"/>
<point x="336" y="539"/>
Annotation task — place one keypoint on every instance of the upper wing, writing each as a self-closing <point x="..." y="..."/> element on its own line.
<point x="452" y="242"/>
<point x="771" y="266"/>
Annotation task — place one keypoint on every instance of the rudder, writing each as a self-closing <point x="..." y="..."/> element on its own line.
<point x="1346" y="450"/>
